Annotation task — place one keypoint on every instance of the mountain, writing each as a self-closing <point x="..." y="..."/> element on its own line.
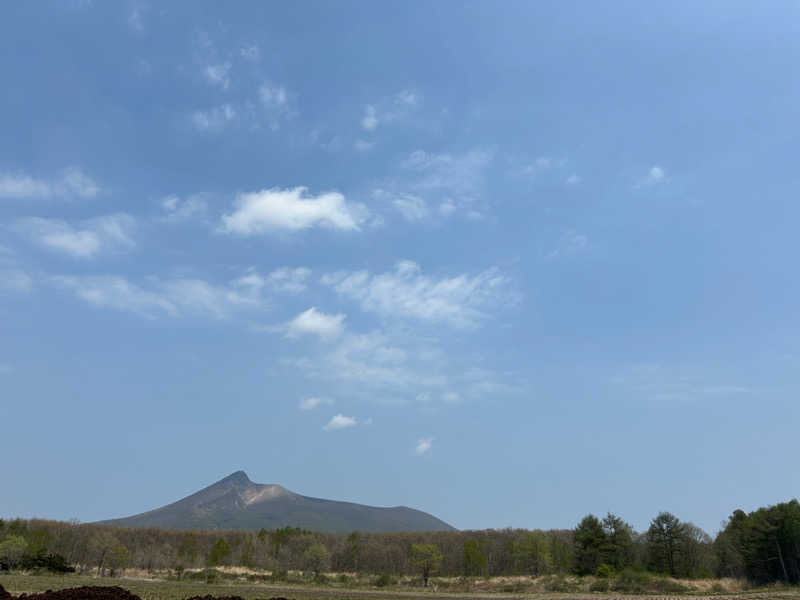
<point x="235" y="502"/>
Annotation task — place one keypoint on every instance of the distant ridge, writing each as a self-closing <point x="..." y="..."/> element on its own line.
<point x="235" y="502"/>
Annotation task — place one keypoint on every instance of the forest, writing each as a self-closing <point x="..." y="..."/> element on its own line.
<point x="762" y="547"/>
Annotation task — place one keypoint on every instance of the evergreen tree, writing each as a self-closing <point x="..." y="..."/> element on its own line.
<point x="590" y="540"/>
<point x="664" y="539"/>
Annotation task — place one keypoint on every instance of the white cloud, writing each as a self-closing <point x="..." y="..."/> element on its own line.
<point x="459" y="301"/>
<point x="312" y="403"/>
<point x="284" y="279"/>
<point x="272" y="96"/>
<point x="340" y="422"/>
<point x="447" y="208"/>
<point x="117" y="293"/>
<point x="569" y="244"/>
<point x="423" y="445"/>
<point x="363" y="145"/>
<point x="451" y="397"/>
<point x="177" y="209"/>
<point x="540" y="165"/>
<point x="214" y="119"/>
<point x="218" y="75"/>
<point x="76" y="182"/>
<point x="136" y="18"/>
<point x="370" y="119"/>
<point x="655" y="176"/>
<point x="289" y="280"/>
<point x="290" y="209"/>
<point x="178" y="297"/>
<point x="315" y="322"/>
<point x="84" y="240"/>
<point x="72" y="182"/>
<point x="23" y="186"/>
<point x="275" y="102"/>
<point x="250" y="52"/>
<point x="413" y="208"/>
<point x="573" y="179"/>
<point x="15" y="280"/>
<point x="407" y="97"/>
<point x="390" y="109"/>
<point x="455" y="182"/>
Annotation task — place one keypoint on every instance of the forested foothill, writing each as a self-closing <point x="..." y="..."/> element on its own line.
<point x="761" y="547"/>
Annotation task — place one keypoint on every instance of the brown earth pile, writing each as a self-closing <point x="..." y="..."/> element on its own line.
<point x="97" y="592"/>
<point x="209" y="597"/>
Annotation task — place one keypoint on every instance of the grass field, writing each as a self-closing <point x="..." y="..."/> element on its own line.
<point x="151" y="589"/>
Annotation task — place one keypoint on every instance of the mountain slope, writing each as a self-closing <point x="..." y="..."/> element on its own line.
<point x="235" y="502"/>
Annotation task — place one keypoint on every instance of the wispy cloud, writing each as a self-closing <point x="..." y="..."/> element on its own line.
<point x="213" y="120"/>
<point x="176" y="297"/>
<point x="454" y="183"/>
<point x="569" y="244"/>
<point x="423" y="445"/>
<point x="16" y="281"/>
<point x="136" y="18"/>
<point x="413" y="208"/>
<point x="218" y="75"/>
<point x="370" y="119"/>
<point x="284" y="279"/>
<point x="250" y="52"/>
<point x="363" y="145"/>
<point x="72" y="182"/>
<point x="181" y="209"/>
<point x="390" y="109"/>
<point x="340" y="421"/>
<point x="275" y="104"/>
<point x="291" y="210"/>
<point x="83" y="240"/>
<point x="462" y="301"/>
<point x="655" y="176"/>
<point x="314" y="322"/>
<point x="312" y="403"/>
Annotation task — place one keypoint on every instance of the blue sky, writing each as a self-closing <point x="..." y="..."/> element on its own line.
<point x="507" y="263"/>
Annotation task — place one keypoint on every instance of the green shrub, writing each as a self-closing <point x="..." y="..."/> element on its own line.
<point x="342" y="578"/>
<point x="632" y="581"/>
<point x="320" y="578"/>
<point x="211" y="575"/>
<point x="558" y="583"/>
<point x="604" y="571"/>
<point x="279" y="574"/>
<point x="601" y="585"/>
<point x="384" y="579"/>
<point x="718" y="588"/>
<point x="669" y="586"/>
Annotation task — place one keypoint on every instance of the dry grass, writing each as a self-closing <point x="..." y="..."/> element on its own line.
<point x="149" y="587"/>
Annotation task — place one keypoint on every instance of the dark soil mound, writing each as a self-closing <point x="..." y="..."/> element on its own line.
<point x="98" y="593"/>
<point x="209" y="597"/>
<point x="83" y="593"/>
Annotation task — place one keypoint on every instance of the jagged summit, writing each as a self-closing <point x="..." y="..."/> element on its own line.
<point x="235" y="502"/>
<point x="237" y="477"/>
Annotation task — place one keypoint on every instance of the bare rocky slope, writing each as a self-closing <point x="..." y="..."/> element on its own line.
<point x="235" y="502"/>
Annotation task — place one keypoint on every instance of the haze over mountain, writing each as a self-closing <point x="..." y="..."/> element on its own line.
<point x="235" y="502"/>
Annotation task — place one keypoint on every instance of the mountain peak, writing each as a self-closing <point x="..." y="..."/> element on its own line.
<point x="235" y="502"/>
<point x="237" y="477"/>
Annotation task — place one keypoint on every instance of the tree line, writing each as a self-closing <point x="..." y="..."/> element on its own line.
<point x="762" y="546"/>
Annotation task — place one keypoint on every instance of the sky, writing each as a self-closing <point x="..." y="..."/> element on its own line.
<point x="508" y="263"/>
